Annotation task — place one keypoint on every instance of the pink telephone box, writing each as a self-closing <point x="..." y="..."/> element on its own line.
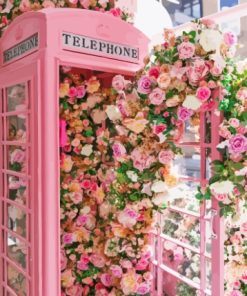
<point x="32" y="51"/>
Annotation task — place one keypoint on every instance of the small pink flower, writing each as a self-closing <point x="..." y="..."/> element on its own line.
<point x="143" y="289"/>
<point x="160" y="128"/>
<point x="117" y="12"/>
<point x="244" y="276"/>
<point x="97" y="260"/>
<point x="118" y="150"/>
<point x="234" y="122"/>
<point x="82" y="220"/>
<point x="236" y="293"/>
<point x="203" y="93"/>
<point x="238" y="144"/>
<point x="236" y="285"/>
<point x="144" y="85"/>
<point x="142" y="264"/>
<point x="157" y="96"/>
<point x="197" y="70"/>
<point x="118" y="83"/>
<point x="86" y="184"/>
<point x="186" y="50"/>
<point x="230" y="38"/>
<point x="72" y="92"/>
<point x="166" y="156"/>
<point x="81" y="91"/>
<point x="18" y="156"/>
<point x="116" y="271"/>
<point x="166" y="114"/>
<point x="184" y="113"/>
<point x="216" y="70"/>
<point x="221" y="197"/>
<point x="68" y="238"/>
<point x="154" y="72"/>
<point x="106" y="279"/>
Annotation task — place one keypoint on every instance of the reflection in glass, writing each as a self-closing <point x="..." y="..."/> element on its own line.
<point x="17" y="220"/>
<point x="183" y="196"/>
<point x="182" y="227"/>
<point x="16" y="128"/>
<point x="17" y="189"/>
<point x="188" y="164"/>
<point x="174" y="287"/>
<point x="191" y="131"/>
<point x="181" y="260"/>
<point x="208" y="274"/>
<point x="16" y="98"/>
<point x="207" y="127"/>
<point x="208" y="163"/>
<point x="16" y="281"/>
<point x="17" y="158"/>
<point x="16" y="250"/>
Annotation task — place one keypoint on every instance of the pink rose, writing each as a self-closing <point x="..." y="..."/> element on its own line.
<point x="76" y="197"/>
<point x="68" y="238"/>
<point x="243" y="228"/>
<point x="82" y="220"/>
<point x="118" y="83"/>
<point x="224" y="132"/>
<point x="48" y="4"/>
<point x="74" y="290"/>
<point x="142" y="264"/>
<point x="196" y="71"/>
<point x="86" y="184"/>
<point x="230" y="38"/>
<point x="85" y="3"/>
<point x="164" y="80"/>
<point x="237" y="144"/>
<point x="25" y="5"/>
<point x="126" y="263"/>
<point x="166" y="156"/>
<point x="118" y="150"/>
<point x="236" y="293"/>
<point x="106" y="279"/>
<point x="97" y="260"/>
<point x="154" y="72"/>
<point x="143" y="289"/>
<point x="236" y="285"/>
<point x="141" y="160"/>
<point x="186" y="50"/>
<point x="203" y="93"/>
<point x="216" y="70"/>
<point x="160" y="128"/>
<point x="81" y="91"/>
<point x="82" y="265"/>
<point x="144" y="85"/>
<point x="72" y="92"/>
<point x="244" y="278"/>
<point x="117" y="12"/>
<point x="242" y="93"/>
<point x="184" y="113"/>
<point x="116" y="271"/>
<point x="157" y="96"/>
<point x="223" y="197"/>
<point x="18" y="156"/>
<point x="212" y="84"/>
<point x="234" y="122"/>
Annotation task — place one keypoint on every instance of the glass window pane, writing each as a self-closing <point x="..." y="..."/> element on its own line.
<point x="181" y="260"/>
<point x="16" y="98"/>
<point x="183" y="196"/>
<point x="17" y="189"/>
<point x="182" y="227"/>
<point x="188" y="164"/>
<point x="16" y="281"/>
<point x="16" y="158"/>
<point x="16" y="250"/>
<point x="191" y="130"/>
<point x="17" y="220"/>
<point x="174" y="287"/>
<point x="16" y="128"/>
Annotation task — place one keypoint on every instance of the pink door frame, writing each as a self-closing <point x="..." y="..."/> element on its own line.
<point x="214" y="220"/>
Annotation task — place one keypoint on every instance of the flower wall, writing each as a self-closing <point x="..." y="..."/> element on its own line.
<point x="117" y="162"/>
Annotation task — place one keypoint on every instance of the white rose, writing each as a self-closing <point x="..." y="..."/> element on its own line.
<point x="87" y="150"/>
<point x="210" y="39"/>
<point x="160" y="198"/>
<point x="191" y="102"/>
<point x="159" y="186"/>
<point x="222" y="187"/>
<point x="132" y="176"/>
<point x="113" y="113"/>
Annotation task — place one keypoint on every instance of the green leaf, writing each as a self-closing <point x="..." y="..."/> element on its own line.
<point x="214" y="179"/>
<point x="199" y="196"/>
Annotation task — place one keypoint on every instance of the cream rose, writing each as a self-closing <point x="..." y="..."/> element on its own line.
<point x="87" y="150"/>
<point x="192" y="102"/>
<point x="210" y="40"/>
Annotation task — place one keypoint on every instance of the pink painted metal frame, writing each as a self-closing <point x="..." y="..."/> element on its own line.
<point x="41" y="70"/>
<point x="216" y="225"/>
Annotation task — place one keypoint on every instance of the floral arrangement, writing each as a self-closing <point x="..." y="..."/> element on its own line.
<point x="10" y="9"/>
